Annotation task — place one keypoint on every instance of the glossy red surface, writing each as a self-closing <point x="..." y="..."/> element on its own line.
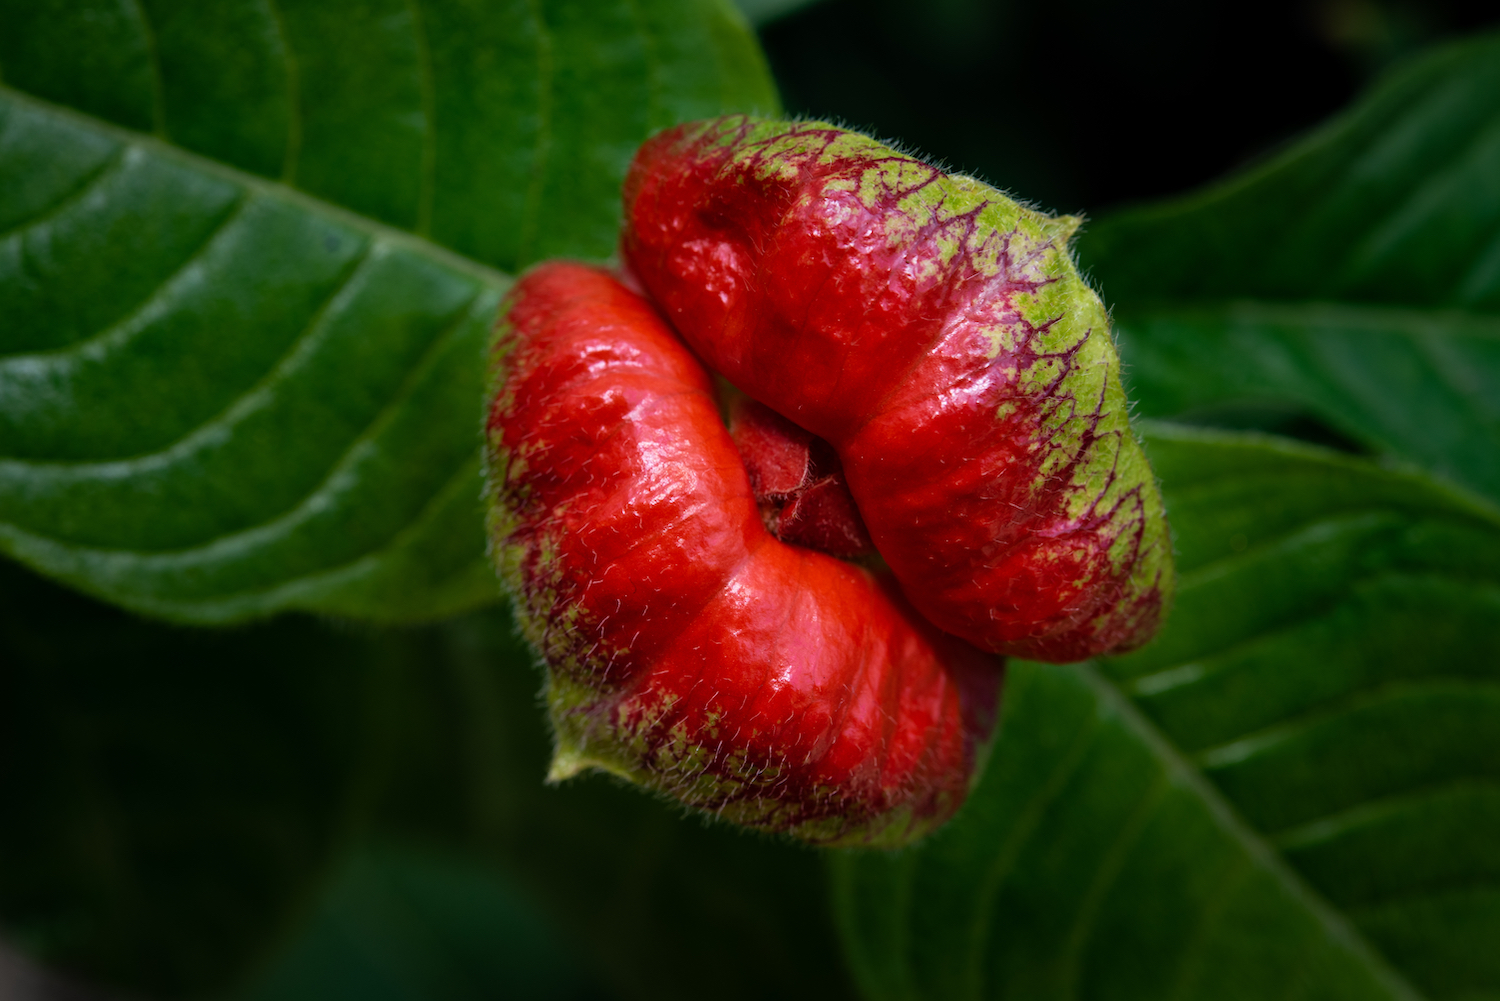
<point x="790" y="274"/>
<point x="689" y="648"/>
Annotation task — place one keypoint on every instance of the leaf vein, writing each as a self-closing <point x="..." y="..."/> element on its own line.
<point x="1110" y="866"/>
<point x="231" y="606"/>
<point x="1483" y="884"/>
<point x="427" y="183"/>
<point x="1275" y="734"/>
<point x="1010" y="852"/>
<point x="531" y="207"/>
<point x="239" y="408"/>
<point x="86" y="185"/>
<point x="153" y="58"/>
<point x="654" y="87"/>
<point x="293" y="95"/>
<point x="1375" y="248"/>
<point x="125" y="329"/>
<point x="1315" y="529"/>
<point x="1181" y="771"/>
<point x="1189" y="963"/>
<point x="1201" y="667"/>
<point x="271" y="189"/>
<point x="1331" y="825"/>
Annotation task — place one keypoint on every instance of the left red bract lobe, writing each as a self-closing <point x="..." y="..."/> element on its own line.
<point x="691" y="650"/>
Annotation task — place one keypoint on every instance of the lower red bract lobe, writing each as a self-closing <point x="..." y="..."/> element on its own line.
<point x="690" y="649"/>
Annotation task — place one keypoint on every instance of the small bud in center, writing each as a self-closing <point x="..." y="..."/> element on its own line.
<point x="798" y="483"/>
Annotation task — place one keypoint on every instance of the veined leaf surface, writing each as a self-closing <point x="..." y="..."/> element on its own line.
<point x="1294" y="792"/>
<point x="240" y="359"/>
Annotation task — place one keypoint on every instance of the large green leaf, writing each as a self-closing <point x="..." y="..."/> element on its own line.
<point x="221" y="396"/>
<point x="1294" y="792"/>
<point x="1356" y="276"/>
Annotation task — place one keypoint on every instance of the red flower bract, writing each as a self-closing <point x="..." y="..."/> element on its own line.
<point x="950" y="386"/>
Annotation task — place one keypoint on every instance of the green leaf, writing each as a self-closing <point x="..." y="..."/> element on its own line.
<point x="1356" y="276"/>
<point x="222" y="392"/>
<point x="1293" y="792"/>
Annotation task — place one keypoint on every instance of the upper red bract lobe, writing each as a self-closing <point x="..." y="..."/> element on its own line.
<point x="775" y="684"/>
<point x="793" y="289"/>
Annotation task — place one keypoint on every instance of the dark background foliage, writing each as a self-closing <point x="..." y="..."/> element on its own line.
<point x="1080" y="105"/>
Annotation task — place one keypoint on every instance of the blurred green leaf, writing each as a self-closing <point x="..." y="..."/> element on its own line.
<point x="1297" y="778"/>
<point x="763" y="12"/>
<point x="171" y="795"/>
<point x="223" y="395"/>
<point x="397" y="924"/>
<point x="345" y="812"/>
<point x="1357" y="276"/>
